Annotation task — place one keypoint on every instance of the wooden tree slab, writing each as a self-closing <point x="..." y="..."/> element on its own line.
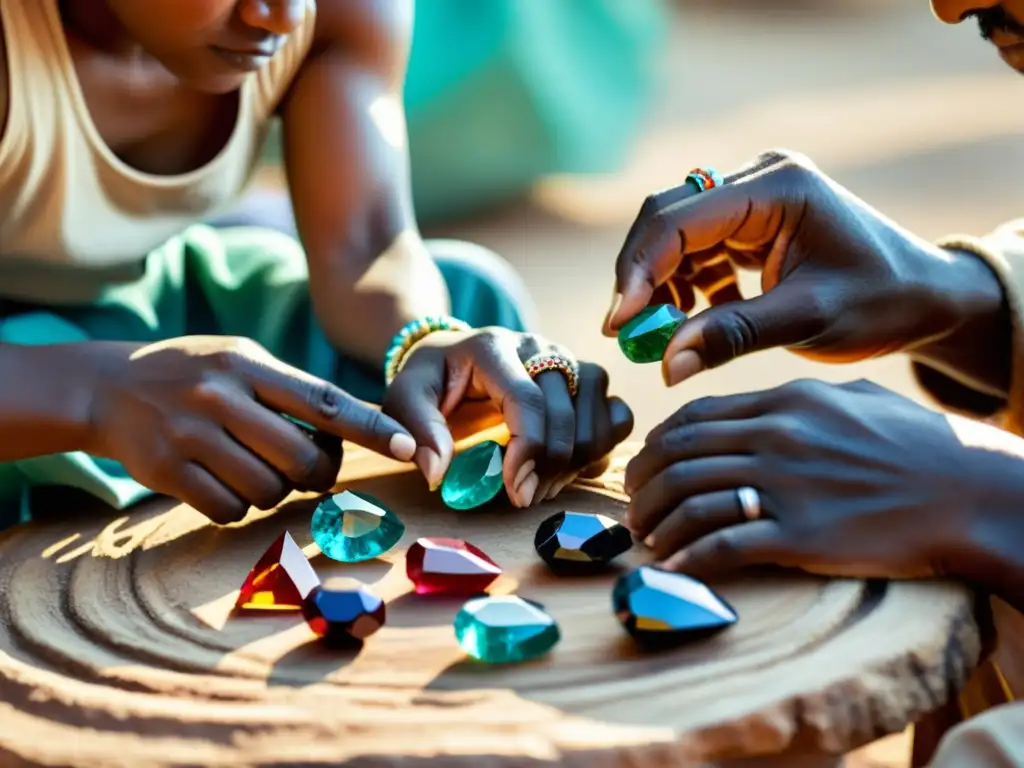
<point x="118" y="647"/>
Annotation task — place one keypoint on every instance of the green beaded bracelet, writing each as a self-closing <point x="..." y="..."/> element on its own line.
<point x="413" y="332"/>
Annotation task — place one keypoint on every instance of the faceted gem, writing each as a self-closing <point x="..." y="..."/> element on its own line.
<point x="474" y="477"/>
<point x="351" y="527"/>
<point x="506" y="629"/>
<point x="661" y="609"/>
<point x="644" y="338"/>
<point x="280" y="580"/>
<point x="450" y="567"/>
<point x="343" y="612"/>
<point x="575" y="542"/>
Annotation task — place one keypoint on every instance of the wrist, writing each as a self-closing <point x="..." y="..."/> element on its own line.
<point x="46" y="395"/>
<point x="987" y="549"/>
<point x="411" y="335"/>
<point x="970" y="325"/>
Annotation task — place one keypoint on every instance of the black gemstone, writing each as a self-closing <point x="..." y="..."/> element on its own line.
<point x="662" y="610"/>
<point x="343" y="613"/>
<point x="574" y="542"/>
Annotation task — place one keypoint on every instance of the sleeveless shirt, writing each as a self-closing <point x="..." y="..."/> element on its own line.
<point x="73" y="217"/>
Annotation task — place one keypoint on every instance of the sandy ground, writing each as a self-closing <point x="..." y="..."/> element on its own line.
<point x="921" y="120"/>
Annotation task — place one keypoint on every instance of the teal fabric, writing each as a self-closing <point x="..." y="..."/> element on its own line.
<point x="240" y="281"/>
<point x="502" y="92"/>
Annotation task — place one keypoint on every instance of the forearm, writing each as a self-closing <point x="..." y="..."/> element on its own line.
<point x="362" y="300"/>
<point x="44" y="399"/>
<point x="976" y="348"/>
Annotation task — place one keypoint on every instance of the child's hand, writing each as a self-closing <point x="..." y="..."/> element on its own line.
<point x="199" y="418"/>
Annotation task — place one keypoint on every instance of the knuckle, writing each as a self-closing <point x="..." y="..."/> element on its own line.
<point x="731" y="335"/>
<point x="184" y="434"/>
<point x="724" y="546"/>
<point x="677" y="441"/>
<point x="693" y="510"/>
<point x="225" y="511"/>
<point x="211" y="393"/>
<point x="693" y="411"/>
<point x="270" y="492"/>
<point x="527" y="396"/>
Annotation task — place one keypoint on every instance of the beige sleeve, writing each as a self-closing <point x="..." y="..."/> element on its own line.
<point x="1003" y="251"/>
<point x="992" y="740"/>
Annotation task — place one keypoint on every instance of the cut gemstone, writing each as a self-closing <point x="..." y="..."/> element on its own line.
<point x="280" y="580"/>
<point x="575" y="542"/>
<point x="500" y="630"/>
<point x="343" y="612"/>
<point x="449" y="566"/>
<point x="474" y="477"/>
<point x="644" y="338"/>
<point x="351" y="527"/>
<point x="661" y="609"/>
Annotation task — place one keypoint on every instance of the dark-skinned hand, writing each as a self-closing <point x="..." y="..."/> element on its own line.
<point x="199" y="418"/>
<point x="854" y="480"/>
<point x="840" y="281"/>
<point x="553" y="436"/>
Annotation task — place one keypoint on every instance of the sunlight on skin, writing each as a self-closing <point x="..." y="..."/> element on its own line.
<point x="979" y="435"/>
<point x="388" y="115"/>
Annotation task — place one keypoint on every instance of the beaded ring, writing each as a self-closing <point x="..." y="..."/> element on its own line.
<point x="705" y="178"/>
<point x="552" y="361"/>
<point x="412" y="333"/>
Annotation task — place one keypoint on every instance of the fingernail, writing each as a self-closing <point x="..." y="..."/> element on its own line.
<point x="402" y="447"/>
<point x="649" y="542"/>
<point x="681" y="367"/>
<point x="430" y="465"/>
<point x="528" y="489"/>
<point x="559" y="486"/>
<point x="616" y="303"/>
<point x="524" y="470"/>
<point x="544" y="491"/>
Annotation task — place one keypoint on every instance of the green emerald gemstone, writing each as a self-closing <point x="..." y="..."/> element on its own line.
<point x="644" y="338"/>
<point x="351" y="527"/>
<point x="474" y="477"/>
<point x="501" y="630"/>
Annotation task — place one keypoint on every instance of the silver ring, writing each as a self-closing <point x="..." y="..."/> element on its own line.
<point x="750" y="502"/>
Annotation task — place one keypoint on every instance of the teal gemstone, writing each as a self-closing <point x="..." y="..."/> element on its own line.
<point x="351" y="527"/>
<point x="644" y="338"/>
<point x="474" y="477"/>
<point x="502" y="630"/>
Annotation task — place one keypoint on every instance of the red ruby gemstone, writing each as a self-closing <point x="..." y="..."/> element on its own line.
<point x="280" y="581"/>
<point x="449" y="567"/>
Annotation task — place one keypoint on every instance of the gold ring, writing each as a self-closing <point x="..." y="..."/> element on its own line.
<point x="552" y="361"/>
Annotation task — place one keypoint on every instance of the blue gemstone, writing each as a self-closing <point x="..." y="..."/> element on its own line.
<point x="351" y="527"/>
<point x="661" y="609"/>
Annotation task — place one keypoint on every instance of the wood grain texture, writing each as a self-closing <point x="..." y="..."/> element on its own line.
<point x="118" y="647"/>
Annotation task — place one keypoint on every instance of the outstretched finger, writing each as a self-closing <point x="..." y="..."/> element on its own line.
<point x="327" y="407"/>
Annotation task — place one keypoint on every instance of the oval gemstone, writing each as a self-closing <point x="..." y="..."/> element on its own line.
<point x="449" y="567"/>
<point x="661" y="609"/>
<point x="502" y="630"/>
<point x="343" y="613"/>
<point x="351" y="527"/>
<point x="474" y="477"/>
<point x="644" y="338"/>
<point x="577" y="542"/>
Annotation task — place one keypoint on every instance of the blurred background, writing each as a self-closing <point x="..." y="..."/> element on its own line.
<point x="537" y="128"/>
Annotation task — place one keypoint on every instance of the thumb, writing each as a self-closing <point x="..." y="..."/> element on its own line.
<point x="788" y="315"/>
<point x="414" y="400"/>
